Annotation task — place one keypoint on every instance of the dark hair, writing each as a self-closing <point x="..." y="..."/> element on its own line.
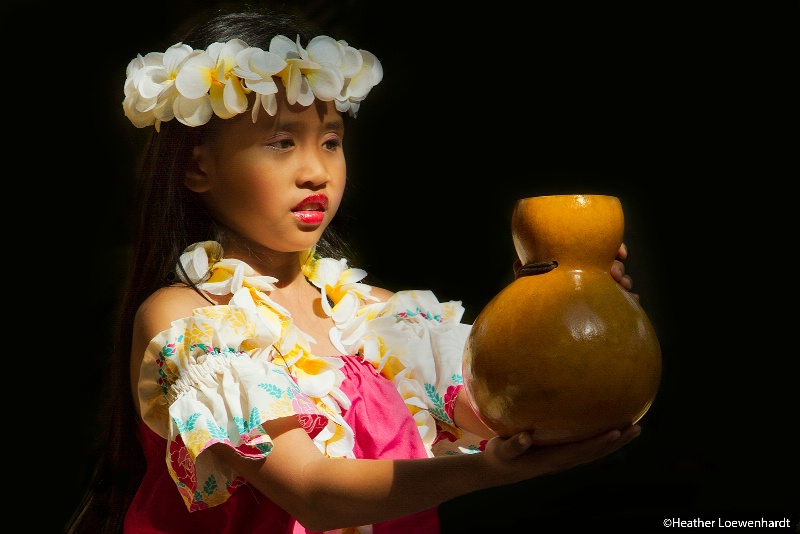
<point x="169" y="218"/>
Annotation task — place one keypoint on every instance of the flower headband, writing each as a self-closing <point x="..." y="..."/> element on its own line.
<point x="191" y="85"/>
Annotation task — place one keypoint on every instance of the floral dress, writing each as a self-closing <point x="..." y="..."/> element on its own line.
<point x="216" y="376"/>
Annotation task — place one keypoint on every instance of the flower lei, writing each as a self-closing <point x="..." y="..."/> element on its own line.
<point x="318" y="377"/>
<point x="192" y="85"/>
<point x="365" y="329"/>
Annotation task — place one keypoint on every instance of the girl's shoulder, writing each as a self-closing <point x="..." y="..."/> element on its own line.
<point x="155" y="315"/>
<point x="381" y="294"/>
<point x="164" y="306"/>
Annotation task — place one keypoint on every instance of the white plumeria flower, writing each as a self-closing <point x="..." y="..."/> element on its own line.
<point x="351" y="336"/>
<point x="322" y="271"/>
<point x="327" y="82"/>
<point x="384" y="348"/>
<point x="362" y="72"/>
<point x="347" y="298"/>
<point x="208" y="77"/>
<point x="137" y="107"/>
<point x="204" y="267"/>
<point x="197" y="259"/>
<point x="318" y="375"/>
<point x="336" y="440"/>
<point x="170" y="103"/>
<point x="227" y="276"/>
<point x="414" y="394"/>
<point x="340" y="399"/>
<point x="149" y="82"/>
<point x="294" y="344"/>
<point x="256" y="67"/>
<point x="352" y="61"/>
<point x="340" y="285"/>
<point x="245" y="298"/>
<point x="426" y="426"/>
<point x="336" y="278"/>
<point x="330" y="405"/>
<point x="310" y="72"/>
<point x="349" y="339"/>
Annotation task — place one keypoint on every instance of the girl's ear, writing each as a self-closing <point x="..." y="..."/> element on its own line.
<point x="196" y="178"/>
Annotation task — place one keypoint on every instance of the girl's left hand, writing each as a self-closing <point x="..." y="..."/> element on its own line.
<point x="617" y="270"/>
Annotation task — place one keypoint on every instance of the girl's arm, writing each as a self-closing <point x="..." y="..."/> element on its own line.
<point x="324" y="493"/>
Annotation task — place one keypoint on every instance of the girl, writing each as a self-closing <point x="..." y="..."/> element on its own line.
<point x="261" y="385"/>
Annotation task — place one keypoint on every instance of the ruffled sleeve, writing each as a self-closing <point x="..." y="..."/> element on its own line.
<point x="418" y="342"/>
<point x="210" y="379"/>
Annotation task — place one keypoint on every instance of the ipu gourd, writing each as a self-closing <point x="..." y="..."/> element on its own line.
<point x="563" y="351"/>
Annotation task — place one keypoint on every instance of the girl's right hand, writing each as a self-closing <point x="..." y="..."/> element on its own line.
<point x="519" y="454"/>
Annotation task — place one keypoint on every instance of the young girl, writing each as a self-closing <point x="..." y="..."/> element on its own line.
<point x="261" y="385"/>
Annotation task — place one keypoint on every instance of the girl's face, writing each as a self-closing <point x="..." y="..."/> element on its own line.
<point x="278" y="181"/>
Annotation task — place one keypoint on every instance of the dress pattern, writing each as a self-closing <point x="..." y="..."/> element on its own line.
<point x="216" y="376"/>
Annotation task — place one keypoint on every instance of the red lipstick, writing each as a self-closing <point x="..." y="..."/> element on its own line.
<point x="311" y="210"/>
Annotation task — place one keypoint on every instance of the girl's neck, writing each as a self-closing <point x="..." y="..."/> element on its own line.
<point x="285" y="266"/>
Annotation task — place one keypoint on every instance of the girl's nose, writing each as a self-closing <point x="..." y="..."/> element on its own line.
<point x="313" y="171"/>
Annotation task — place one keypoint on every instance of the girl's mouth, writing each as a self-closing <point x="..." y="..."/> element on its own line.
<point x="311" y="210"/>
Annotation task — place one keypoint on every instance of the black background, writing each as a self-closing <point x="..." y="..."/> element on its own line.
<point x="676" y="109"/>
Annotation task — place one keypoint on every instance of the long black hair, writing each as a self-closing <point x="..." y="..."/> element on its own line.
<point x="169" y="217"/>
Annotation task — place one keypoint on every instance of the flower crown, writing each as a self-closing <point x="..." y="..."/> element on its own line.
<point x="191" y="85"/>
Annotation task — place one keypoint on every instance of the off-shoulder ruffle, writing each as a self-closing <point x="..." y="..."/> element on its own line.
<point x="209" y="379"/>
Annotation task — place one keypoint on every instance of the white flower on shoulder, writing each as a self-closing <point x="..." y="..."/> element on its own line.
<point x="197" y="260"/>
<point x="205" y="267"/>
<point x="340" y="285"/>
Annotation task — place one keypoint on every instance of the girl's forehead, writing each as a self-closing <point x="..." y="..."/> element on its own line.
<point x="293" y="118"/>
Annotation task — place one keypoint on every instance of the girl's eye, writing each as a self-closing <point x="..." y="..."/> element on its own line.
<point x="281" y="144"/>
<point x="333" y="144"/>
